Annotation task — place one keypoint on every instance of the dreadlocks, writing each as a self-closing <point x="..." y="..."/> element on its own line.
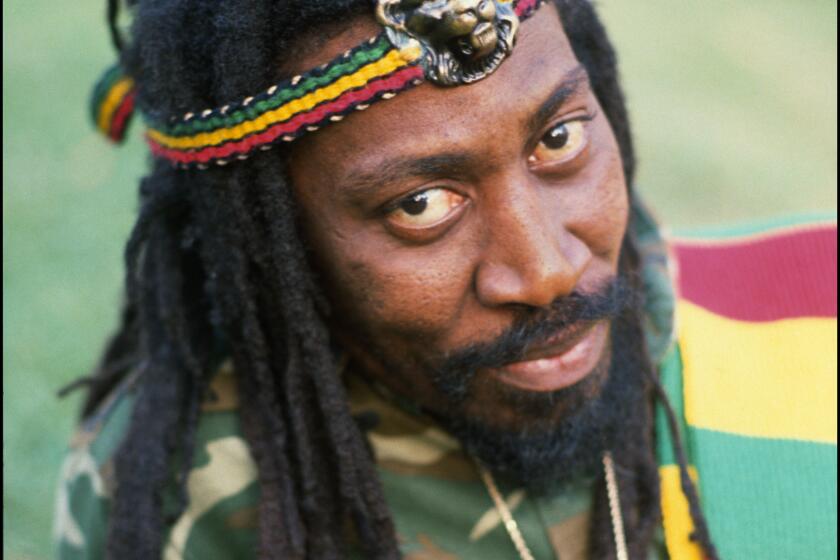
<point x="216" y="267"/>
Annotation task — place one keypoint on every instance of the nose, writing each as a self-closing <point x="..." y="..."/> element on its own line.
<point x="530" y="258"/>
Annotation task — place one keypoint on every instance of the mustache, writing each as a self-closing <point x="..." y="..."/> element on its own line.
<point x="609" y="300"/>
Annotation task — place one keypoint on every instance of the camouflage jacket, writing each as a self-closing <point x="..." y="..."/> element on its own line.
<point x="440" y="506"/>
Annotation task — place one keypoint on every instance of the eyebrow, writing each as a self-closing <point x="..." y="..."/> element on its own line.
<point x="360" y="184"/>
<point x="572" y="83"/>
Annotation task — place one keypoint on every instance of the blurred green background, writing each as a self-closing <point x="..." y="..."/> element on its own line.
<point x="735" y="117"/>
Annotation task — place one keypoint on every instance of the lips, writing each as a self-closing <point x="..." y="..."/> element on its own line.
<point x="558" y="343"/>
<point x="560" y="361"/>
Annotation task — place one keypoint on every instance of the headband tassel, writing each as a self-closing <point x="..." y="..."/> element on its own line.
<point x="112" y="103"/>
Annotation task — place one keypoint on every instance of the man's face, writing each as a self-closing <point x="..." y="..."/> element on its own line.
<point x="441" y="218"/>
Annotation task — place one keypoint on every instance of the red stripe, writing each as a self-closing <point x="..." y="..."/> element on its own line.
<point x="120" y="118"/>
<point x="524" y="6"/>
<point x="785" y="275"/>
<point x="396" y="81"/>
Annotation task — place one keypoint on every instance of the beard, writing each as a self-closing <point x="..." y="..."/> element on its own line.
<point x="555" y="437"/>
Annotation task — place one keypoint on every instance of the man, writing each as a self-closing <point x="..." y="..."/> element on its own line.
<point x="390" y="293"/>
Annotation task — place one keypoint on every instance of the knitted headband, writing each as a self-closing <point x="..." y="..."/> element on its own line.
<point x="448" y="42"/>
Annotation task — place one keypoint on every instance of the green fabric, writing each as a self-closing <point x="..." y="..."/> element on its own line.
<point x="215" y="536"/>
<point x="436" y="507"/>
<point x="796" y="509"/>
<point x="658" y="319"/>
<point x="89" y="512"/>
<point x="725" y="232"/>
<point x="86" y="479"/>
<point x="433" y="510"/>
<point x="670" y="373"/>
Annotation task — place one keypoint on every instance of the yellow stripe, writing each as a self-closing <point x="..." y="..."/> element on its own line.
<point x="112" y="101"/>
<point x="385" y="65"/>
<point x="774" y="379"/>
<point x="676" y="518"/>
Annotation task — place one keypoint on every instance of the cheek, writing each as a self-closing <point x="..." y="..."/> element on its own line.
<point x="376" y="285"/>
<point x="600" y="208"/>
<point x="398" y="293"/>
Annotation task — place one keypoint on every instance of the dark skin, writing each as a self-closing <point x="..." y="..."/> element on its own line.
<point x="439" y="217"/>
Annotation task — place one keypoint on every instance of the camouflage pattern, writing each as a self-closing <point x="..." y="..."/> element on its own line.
<point x="441" y="509"/>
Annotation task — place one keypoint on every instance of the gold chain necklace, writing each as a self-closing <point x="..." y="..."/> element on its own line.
<point x="513" y="528"/>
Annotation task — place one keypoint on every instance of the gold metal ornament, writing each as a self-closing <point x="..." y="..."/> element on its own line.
<point x="462" y="40"/>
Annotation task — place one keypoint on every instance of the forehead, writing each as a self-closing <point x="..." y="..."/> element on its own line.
<point x="430" y="117"/>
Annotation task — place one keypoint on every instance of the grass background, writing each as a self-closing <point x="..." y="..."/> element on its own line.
<point x="734" y="107"/>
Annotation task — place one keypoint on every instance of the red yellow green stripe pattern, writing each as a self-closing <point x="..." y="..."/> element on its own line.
<point x="370" y="72"/>
<point x="754" y="378"/>
<point x="112" y="103"/>
<point x="232" y="115"/>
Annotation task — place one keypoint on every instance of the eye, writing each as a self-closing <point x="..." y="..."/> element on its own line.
<point x="425" y="208"/>
<point x="561" y="142"/>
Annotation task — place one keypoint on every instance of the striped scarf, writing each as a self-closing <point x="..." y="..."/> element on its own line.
<point x="753" y="376"/>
